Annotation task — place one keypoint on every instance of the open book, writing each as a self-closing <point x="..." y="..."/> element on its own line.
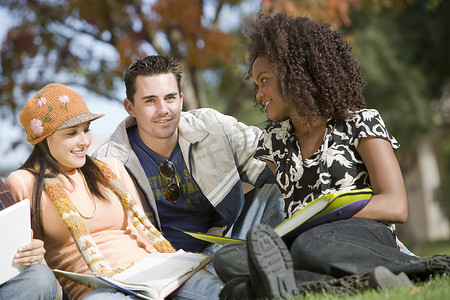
<point x="15" y="232"/>
<point x="324" y="209"/>
<point x="153" y="278"/>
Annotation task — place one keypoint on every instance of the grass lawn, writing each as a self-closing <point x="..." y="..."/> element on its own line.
<point x="433" y="289"/>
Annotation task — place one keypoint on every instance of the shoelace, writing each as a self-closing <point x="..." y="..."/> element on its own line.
<point x="439" y="263"/>
<point x="351" y="285"/>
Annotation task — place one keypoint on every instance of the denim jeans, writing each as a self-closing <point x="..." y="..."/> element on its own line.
<point x="203" y="285"/>
<point x="344" y="247"/>
<point x="34" y="282"/>
<point x="352" y="246"/>
<point x="108" y="293"/>
<point x="265" y="206"/>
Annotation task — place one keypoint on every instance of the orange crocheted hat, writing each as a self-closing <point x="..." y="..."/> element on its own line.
<point x="54" y="107"/>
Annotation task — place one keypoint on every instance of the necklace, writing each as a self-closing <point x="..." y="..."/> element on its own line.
<point x="92" y="197"/>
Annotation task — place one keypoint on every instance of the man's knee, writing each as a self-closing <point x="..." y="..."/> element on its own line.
<point x="231" y="261"/>
<point x="270" y="195"/>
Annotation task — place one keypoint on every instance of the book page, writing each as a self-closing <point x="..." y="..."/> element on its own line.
<point x="162" y="270"/>
<point x="211" y="238"/>
<point x="15" y="232"/>
<point x="154" y="277"/>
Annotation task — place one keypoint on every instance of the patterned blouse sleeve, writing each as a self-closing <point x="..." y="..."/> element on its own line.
<point x="368" y="122"/>
<point x="264" y="148"/>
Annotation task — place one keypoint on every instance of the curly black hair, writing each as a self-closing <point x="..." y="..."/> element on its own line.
<point x="316" y="72"/>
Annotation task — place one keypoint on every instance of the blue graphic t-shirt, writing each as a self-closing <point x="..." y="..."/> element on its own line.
<point x="192" y="211"/>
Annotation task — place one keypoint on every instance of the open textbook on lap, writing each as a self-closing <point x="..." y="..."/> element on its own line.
<point x="15" y="232"/>
<point x="155" y="277"/>
<point x="324" y="209"/>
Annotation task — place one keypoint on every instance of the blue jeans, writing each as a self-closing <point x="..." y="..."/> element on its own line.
<point x="110" y="294"/>
<point x="266" y="206"/>
<point x="34" y="282"/>
<point x="203" y="285"/>
<point x="344" y="247"/>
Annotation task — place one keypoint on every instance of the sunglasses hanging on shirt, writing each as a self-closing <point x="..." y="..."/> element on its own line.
<point x="167" y="170"/>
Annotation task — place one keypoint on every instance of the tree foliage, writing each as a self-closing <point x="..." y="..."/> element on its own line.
<point x="405" y="61"/>
<point x="404" y="58"/>
<point x="86" y="43"/>
<point x="91" y="43"/>
<point x="337" y="12"/>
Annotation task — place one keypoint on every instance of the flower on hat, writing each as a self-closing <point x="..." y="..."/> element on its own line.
<point x="64" y="99"/>
<point x="41" y="101"/>
<point x="36" y="126"/>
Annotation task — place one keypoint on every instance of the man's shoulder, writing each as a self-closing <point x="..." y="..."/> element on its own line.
<point x="207" y="116"/>
<point x="200" y="113"/>
<point x="117" y="143"/>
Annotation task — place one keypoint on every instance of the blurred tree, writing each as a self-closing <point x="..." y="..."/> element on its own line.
<point x="404" y="56"/>
<point x="405" y="61"/>
<point x="92" y="43"/>
<point x="336" y="12"/>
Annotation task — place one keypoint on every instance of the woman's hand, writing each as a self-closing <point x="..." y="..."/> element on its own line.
<point x="30" y="254"/>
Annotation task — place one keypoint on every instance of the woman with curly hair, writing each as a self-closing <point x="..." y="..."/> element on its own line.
<point x="321" y="139"/>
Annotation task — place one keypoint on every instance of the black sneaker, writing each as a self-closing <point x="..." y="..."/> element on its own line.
<point x="437" y="264"/>
<point x="380" y="277"/>
<point x="383" y="278"/>
<point x="270" y="264"/>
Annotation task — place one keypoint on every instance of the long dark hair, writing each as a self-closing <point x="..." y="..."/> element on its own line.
<point x="43" y="165"/>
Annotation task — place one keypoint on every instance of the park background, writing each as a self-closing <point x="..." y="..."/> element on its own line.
<point x="402" y="46"/>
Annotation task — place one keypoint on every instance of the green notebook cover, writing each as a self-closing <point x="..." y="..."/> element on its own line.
<point x="326" y="208"/>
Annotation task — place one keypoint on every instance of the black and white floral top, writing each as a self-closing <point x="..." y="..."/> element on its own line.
<point x="336" y="166"/>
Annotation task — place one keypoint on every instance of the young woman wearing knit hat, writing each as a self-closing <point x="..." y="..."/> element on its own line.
<point x="82" y="208"/>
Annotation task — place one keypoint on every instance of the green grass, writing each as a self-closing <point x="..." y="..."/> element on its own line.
<point x="436" y="288"/>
